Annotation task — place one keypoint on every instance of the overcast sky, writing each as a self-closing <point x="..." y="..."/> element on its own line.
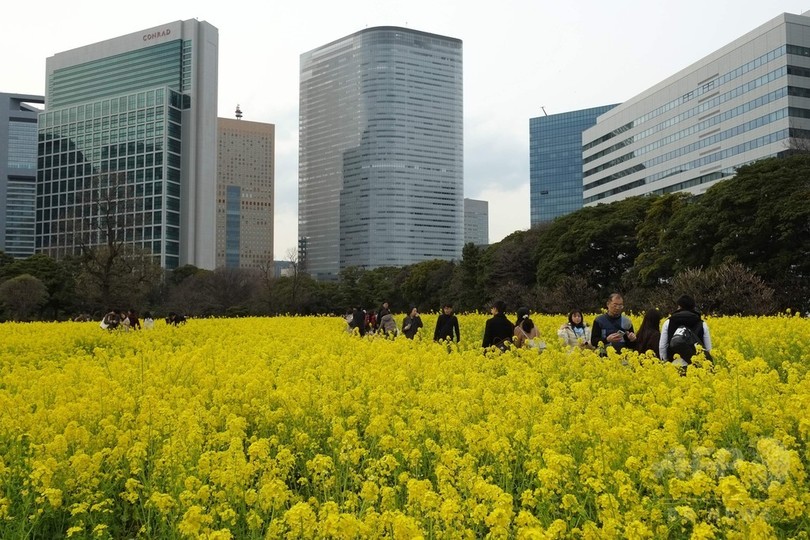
<point x="519" y="55"/>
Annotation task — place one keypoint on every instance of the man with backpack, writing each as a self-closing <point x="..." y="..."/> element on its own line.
<point x="682" y="332"/>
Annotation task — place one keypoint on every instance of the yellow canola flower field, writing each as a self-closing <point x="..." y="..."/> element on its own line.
<point x="293" y="428"/>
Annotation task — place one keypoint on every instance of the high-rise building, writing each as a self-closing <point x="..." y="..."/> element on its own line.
<point x="18" y="172"/>
<point x="739" y="104"/>
<point x="245" y="194"/>
<point x="380" y="151"/>
<point x="127" y="146"/>
<point x="476" y="222"/>
<point x="555" y="162"/>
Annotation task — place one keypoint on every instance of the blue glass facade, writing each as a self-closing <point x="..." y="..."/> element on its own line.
<point x="18" y="167"/>
<point x="233" y="201"/>
<point x="127" y="146"/>
<point x="111" y="167"/>
<point x="555" y="162"/>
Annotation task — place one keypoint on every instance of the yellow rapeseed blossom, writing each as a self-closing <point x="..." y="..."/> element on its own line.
<point x="242" y="428"/>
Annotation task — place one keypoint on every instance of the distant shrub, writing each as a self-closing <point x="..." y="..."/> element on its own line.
<point x="727" y="289"/>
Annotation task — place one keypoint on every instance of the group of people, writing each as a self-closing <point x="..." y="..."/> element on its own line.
<point x="117" y="319"/>
<point x="371" y="322"/>
<point x="676" y="341"/>
<point x="126" y="320"/>
<point x="500" y="332"/>
<point x="382" y="322"/>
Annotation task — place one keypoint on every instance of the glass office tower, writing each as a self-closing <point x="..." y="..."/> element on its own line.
<point x="476" y="222"/>
<point x="380" y="151"/>
<point x="555" y="162"/>
<point x="742" y="103"/>
<point x="18" y="171"/>
<point x="127" y="146"/>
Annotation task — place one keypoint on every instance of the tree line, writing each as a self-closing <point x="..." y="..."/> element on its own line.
<point x="742" y="247"/>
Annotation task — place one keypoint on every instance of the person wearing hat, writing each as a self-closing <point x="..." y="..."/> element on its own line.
<point x="498" y="330"/>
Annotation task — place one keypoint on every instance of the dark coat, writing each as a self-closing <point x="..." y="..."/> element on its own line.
<point x="411" y="325"/>
<point x="446" y="326"/>
<point x="498" y="329"/>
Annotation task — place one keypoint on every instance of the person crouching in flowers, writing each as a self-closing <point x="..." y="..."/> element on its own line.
<point x="111" y="320"/>
<point x="575" y="332"/>
<point x="388" y="326"/>
<point x="526" y="333"/>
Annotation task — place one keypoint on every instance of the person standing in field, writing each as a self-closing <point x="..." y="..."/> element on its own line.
<point x="388" y="326"/>
<point x="498" y="330"/>
<point x="447" y="325"/>
<point x="111" y="320"/>
<point x="382" y="312"/>
<point x="134" y="323"/>
<point x="148" y="321"/>
<point x="412" y="323"/>
<point x="359" y="321"/>
<point x="684" y="329"/>
<point x="649" y="335"/>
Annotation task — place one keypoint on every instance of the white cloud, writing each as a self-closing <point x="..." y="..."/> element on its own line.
<point x="285" y="234"/>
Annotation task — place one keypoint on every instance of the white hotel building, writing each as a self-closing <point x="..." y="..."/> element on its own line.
<point x="737" y="105"/>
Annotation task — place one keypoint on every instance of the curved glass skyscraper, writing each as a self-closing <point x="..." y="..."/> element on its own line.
<point x="380" y="151"/>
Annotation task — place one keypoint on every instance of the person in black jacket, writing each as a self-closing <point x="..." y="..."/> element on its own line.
<point x="359" y="321"/>
<point x="447" y="325"/>
<point x="686" y="316"/>
<point x="498" y="330"/>
<point x="175" y="319"/>
<point x="412" y="323"/>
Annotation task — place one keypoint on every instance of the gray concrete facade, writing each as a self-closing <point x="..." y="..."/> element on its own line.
<point x="245" y="185"/>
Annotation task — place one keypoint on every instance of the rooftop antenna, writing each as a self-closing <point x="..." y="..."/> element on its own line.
<point x="544" y="110"/>
<point x="238" y="112"/>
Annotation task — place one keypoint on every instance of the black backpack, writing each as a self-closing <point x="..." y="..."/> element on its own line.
<point x="683" y="343"/>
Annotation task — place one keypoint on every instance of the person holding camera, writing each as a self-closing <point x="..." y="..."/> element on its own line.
<point x="613" y="328"/>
